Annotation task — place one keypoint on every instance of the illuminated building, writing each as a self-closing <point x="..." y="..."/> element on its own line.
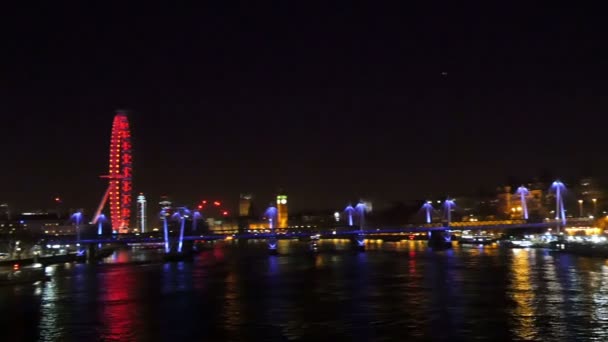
<point x="511" y="206"/>
<point x="164" y="202"/>
<point x="165" y="205"/>
<point x="224" y="227"/>
<point x="590" y="193"/>
<point x="141" y="213"/>
<point x="245" y="205"/>
<point x="504" y="201"/>
<point x="245" y="212"/>
<point x="40" y="222"/>
<point x="5" y="213"/>
<point x="259" y="225"/>
<point x="282" y="211"/>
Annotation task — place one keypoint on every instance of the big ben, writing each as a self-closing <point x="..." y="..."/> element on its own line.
<point x="282" y="211"/>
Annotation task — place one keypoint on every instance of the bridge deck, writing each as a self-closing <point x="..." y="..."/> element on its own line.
<point x="283" y="234"/>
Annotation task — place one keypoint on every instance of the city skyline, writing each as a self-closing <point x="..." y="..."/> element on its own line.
<point x="300" y="170"/>
<point x="582" y="190"/>
<point x="366" y="104"/>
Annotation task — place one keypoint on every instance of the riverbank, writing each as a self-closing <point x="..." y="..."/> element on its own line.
<point x="45" y="260"/>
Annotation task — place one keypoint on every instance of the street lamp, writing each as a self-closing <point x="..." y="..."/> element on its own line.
<point x="594" y="200"/>
<point x="580" y="208"/>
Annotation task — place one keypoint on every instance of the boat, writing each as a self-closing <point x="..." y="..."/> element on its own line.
<point x="516" y="243"/>
<point x="580" y="248"/>
<point x="24" y="275"/>
<point x="476" y="240"/>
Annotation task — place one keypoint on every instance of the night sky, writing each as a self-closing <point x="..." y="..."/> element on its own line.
<point x="331" y="103"/>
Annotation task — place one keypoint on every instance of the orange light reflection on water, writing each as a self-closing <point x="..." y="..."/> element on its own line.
<point x="523" y="313"/>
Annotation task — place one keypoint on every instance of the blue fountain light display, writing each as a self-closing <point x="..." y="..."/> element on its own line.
<point x="180" y="216"/>
<point x="523" y="192"/>
<point x="349" y="210"/>
<point x="271" y="214"/>
<point x="163" y="215"/>
<point x="77" y="219"/>
<point x="448" y="206"/>
<point x="196" y="215"/>
<point x="360" y="209"/>
<point x="185" y="213"/>
<point x="428" y="208"/>
<point x="101" y="219"/>
<point x="559" y="188"/>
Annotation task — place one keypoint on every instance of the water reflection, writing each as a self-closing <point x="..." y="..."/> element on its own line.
<point x="120" y="316"/>
<point x="395" y="290"/>
<point x="599" y="298"/>
<point x="232" y="307"/>
<point x="50" y="327"/>
<point x="523" y="312"/>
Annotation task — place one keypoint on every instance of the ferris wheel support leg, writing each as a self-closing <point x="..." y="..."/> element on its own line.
<point x="101" y="205"/>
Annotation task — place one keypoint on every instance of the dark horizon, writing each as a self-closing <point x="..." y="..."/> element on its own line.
<point x="329" y="103"/>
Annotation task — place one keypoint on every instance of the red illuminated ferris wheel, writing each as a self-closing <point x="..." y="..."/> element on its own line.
<point x="119" y="178"/>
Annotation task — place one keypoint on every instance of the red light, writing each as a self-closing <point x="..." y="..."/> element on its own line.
<point x="121" y="170"/>
<point x="225" y="213"/>
<point x="15" y="267"/>
<point x="57" y="199"/>
<point x="204" y="202"/>
<point x="200" y="206"/>
<point x="216" y="203"/>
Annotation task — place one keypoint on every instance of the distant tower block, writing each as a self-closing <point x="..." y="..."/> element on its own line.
<point x="245" y="205"/>
<point x="141" y="213"/>
<point x="282" y="211"/>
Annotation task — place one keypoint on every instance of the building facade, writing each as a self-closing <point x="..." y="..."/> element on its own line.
<point x="142" y="220"/>
<point x="245" y="205"/>
<point x="509" y="204"/>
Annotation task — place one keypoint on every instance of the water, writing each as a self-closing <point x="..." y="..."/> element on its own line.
<point x="394" y="291"/>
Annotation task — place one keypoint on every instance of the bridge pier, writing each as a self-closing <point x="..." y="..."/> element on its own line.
<point x="314" y="245"/>
<point x="272" y="245"/>
<point x="440" y="239"/>
<point x="360" y="242"/>
<point x="91" y="253"/>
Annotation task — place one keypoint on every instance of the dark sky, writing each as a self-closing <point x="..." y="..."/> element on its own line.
<point x="330" y="102"/>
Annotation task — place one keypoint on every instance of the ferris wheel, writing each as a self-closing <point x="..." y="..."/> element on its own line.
<point x="118" y="193"/>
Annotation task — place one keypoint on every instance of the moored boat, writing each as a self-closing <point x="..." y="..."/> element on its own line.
<point x="23" y="275"/>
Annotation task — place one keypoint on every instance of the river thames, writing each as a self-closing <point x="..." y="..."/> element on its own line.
<point x="393" y="291"/>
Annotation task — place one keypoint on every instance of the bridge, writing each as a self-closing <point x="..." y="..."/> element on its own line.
<point x="436" y="233"/>
<point x="88" y="244"/>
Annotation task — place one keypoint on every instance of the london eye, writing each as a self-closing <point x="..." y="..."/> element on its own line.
<point x="118" y="193"/>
